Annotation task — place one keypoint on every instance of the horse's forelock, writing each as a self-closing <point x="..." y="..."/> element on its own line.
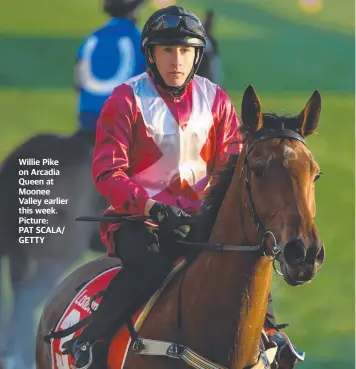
<point x="275" y="122"/>
<point x="280" y="122"/>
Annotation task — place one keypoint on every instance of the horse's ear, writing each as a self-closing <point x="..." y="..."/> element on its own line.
<point x="309" y="116"/>
<point x="251" y="111"/>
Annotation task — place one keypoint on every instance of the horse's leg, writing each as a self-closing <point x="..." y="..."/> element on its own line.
<point x="28" y="295"/>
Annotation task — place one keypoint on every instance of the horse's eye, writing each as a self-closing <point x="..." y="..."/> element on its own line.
<point x="258" y="172"/>
<point x="317" y="176"/>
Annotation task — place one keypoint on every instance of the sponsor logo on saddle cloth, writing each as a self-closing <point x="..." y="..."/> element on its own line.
<point x="79" y="309"/>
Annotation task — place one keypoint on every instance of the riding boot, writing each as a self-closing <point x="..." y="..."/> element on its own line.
<point x="126" y="293"/>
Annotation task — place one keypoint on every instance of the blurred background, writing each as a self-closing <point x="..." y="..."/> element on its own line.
<point x="286" y="49"/>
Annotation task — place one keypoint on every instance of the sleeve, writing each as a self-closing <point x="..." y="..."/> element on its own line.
<point x="228" y="136"/>
<point x="111" y="163"/>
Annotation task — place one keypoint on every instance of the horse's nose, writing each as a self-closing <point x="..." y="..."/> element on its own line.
<point x="294" y="251"/>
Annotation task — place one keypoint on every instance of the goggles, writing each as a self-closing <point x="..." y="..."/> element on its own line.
<point x="191" y="23"/>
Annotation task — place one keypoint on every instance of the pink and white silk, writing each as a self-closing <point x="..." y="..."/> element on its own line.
<point x="150" y="144"/>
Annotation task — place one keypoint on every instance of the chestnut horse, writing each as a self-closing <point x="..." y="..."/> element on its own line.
<point x="265" y="199"/>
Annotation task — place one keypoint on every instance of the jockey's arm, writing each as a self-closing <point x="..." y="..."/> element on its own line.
<point x="114" y="137"/>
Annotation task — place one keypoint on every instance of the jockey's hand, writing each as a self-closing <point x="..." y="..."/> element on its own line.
<point x="170" y="219"/>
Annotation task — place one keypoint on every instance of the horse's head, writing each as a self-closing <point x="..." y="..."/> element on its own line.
<point x="280" y="184"/>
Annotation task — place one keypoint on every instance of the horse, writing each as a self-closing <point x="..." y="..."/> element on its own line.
<point x="259" y="210"/>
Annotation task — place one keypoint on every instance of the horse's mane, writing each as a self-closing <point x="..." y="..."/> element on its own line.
<point x="221" y="179"/>
<point x="213" y="198"/>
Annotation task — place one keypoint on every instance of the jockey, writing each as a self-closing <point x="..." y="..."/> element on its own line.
<point x="107" y="58"/>
<point x="159" y="138"/>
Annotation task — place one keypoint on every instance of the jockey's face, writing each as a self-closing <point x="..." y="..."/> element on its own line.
<point x="174" y="63"/>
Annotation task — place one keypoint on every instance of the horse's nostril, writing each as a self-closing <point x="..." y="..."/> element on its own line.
<point x="315" y="253"/>
<point x="294" y="251"/>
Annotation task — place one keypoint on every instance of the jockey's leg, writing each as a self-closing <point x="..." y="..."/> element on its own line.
<point x="287" y="355"/>
<point x="142" y="274"/>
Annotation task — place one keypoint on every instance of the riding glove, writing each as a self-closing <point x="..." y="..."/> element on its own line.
<point x="170" y="219"/>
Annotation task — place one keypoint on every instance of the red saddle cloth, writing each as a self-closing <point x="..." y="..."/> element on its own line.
<point x="77" y="310"/>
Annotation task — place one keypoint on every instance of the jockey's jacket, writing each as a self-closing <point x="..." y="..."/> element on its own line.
<point x="150" y="144"/>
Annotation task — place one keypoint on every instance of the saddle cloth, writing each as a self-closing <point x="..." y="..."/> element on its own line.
<point x="77" y="310"/>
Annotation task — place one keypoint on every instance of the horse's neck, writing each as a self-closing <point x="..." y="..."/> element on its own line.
<point x="225" y="294"/>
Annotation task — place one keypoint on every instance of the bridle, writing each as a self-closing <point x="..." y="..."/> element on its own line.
<point x="184" y="352"/>
<point x="261" y="135"/>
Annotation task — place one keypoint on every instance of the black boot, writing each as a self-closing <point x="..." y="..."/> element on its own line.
<point x="125" y="294"/>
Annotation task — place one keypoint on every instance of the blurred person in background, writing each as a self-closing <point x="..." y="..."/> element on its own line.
<point x="106" y="58"/>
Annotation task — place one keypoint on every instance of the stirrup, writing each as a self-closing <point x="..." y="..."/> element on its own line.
<point x="98" y="353"/>
<point x="80" y="349"/>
